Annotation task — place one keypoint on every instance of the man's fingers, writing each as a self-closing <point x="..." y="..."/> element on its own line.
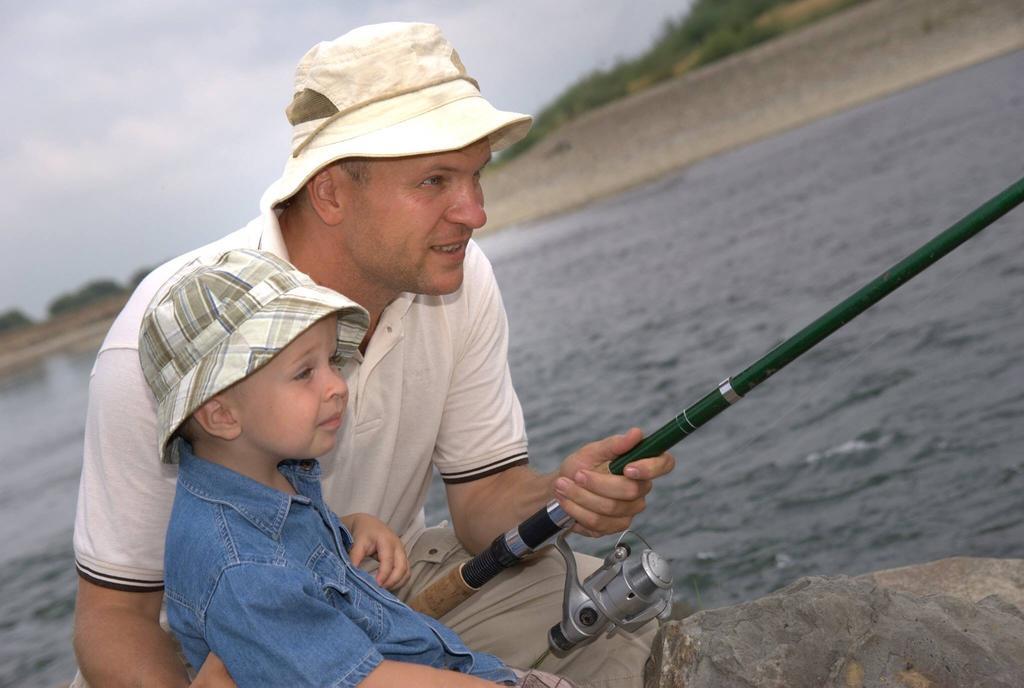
<point x="605" y="450"/>
<point x="604" y="484"/>
<point x="620" y="444"/>
<point x="649" y="469"/>
<point x="601" y="504"/>
<point x="593" y="524"/>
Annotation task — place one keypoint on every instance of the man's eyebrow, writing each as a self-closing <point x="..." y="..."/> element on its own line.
<point x="454" y="168"/>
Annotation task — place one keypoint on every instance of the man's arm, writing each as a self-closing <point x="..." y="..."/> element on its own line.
<point x="118" y="640"/>
<point x="124" y="500"/>
<point x="600" y="503"/>
<point x="483" y="418"/>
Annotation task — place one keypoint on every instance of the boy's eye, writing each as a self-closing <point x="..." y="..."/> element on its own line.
<point x="304" y="374"/>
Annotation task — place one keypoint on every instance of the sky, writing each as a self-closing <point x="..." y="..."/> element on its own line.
<point x="135" y="131"/>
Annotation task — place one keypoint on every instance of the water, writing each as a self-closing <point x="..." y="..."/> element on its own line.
<point x="896" y="441"/>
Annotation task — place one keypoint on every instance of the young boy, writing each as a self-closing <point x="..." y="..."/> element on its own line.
<point x="242" y="354"/>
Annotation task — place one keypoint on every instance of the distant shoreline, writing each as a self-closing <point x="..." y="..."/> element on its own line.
<point x="850" y="58"/>
<point x="82" y="329"/>
<point x="863" y="53"/>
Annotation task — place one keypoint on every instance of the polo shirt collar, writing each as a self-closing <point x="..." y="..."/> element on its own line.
<point x="271" y="238"/>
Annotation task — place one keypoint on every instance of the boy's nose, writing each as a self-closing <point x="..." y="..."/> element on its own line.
<point x="337" y="386"/>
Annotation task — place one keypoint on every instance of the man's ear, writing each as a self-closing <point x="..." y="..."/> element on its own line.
<point x="325" y="193"/>
<point x="218" y="417"/>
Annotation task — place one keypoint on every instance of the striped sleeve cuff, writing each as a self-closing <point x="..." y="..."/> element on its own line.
<point x="124" y="581"/>
<point x="490" y="468"/>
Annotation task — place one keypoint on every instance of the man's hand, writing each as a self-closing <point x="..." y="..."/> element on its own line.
<point x="371" y="536"/>
<point x="602" y="503"/>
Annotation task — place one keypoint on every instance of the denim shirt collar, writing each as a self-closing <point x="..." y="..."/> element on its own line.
<point x="263" y="506"/>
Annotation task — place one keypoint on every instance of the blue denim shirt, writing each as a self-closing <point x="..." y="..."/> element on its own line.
<point x="263" y="580"/>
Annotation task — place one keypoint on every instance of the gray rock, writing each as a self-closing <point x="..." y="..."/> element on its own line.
<point x="852" y="633"/>
<point x="970" y="578"/>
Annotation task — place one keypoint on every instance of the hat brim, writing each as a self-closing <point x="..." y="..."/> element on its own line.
<point x="449" y="127"/>
<point x="234" y="359"/>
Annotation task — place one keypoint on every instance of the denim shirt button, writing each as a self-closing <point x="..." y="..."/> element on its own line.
<point x="306" y="465"/>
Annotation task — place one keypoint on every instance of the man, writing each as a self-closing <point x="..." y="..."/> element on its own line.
<point x="378" y="200"/>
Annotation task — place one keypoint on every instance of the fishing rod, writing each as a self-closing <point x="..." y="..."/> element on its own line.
<point x="602" y="598"/>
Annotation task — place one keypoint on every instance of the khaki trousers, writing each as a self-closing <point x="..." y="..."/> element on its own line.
<point x="510" y="616"/>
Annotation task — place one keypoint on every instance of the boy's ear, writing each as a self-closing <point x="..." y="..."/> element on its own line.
<point x="218" y="418"/>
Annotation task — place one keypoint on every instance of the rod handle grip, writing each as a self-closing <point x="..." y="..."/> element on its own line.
<point x="444" y="594"/>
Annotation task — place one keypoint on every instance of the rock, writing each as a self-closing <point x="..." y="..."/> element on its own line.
<point x="856" y="633"/>
<point x="970" y="578"/>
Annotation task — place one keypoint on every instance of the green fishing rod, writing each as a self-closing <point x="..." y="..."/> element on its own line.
<point x="519" y="542"/>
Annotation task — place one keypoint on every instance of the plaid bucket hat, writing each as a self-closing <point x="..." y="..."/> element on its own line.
<point x="223" y="318"/>
<point x="385" y="90"/>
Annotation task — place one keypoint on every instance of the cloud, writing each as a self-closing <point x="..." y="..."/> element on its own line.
<point x="139" y="130"/>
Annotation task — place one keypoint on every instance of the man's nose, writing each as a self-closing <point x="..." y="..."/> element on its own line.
<point x="467" y="206"/>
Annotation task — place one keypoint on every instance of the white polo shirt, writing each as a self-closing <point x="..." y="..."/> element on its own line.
<point x="433" y="389"/>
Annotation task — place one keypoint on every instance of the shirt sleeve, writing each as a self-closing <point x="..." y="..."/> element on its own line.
<point x="482" y="429"/>
<point x="272" y="626"/>
<point x="125" y="493"/>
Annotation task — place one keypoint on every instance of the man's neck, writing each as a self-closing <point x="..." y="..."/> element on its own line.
<point x="312" y="251"/>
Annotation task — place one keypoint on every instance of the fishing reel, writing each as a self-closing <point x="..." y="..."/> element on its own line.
<point x="625" y="592"/>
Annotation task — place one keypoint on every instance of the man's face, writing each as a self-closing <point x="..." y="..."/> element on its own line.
<point x="410" y="221"/>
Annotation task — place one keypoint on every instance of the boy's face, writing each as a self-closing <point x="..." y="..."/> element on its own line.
<point x="292" y="407"/>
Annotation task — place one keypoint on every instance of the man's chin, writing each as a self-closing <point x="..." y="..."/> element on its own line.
<point x="442" y="287"/>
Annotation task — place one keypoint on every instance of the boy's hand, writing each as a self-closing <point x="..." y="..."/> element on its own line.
<point x="372" y="537"/>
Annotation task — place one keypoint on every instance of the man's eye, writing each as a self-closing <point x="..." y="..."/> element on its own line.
<point x="433" y="181"/>
<point x="337" y="361"/>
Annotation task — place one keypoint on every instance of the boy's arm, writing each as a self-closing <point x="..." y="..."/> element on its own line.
<point x="389" y="674"/>
<point x="272" y="625"/>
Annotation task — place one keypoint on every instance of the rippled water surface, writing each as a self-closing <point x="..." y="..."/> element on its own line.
<point x="896" y="441"/>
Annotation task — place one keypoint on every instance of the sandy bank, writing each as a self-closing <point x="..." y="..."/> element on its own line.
<point x="81" y="330"/>
<point x="866" y="52"/>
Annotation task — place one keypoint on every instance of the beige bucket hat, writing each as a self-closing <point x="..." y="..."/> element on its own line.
<point x="385" y="90"/>
<point x="222" y="319"/>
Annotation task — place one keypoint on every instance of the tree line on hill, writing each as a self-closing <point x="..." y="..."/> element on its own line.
<point x="711" y="30"/>
<point x="91" y="292"/>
